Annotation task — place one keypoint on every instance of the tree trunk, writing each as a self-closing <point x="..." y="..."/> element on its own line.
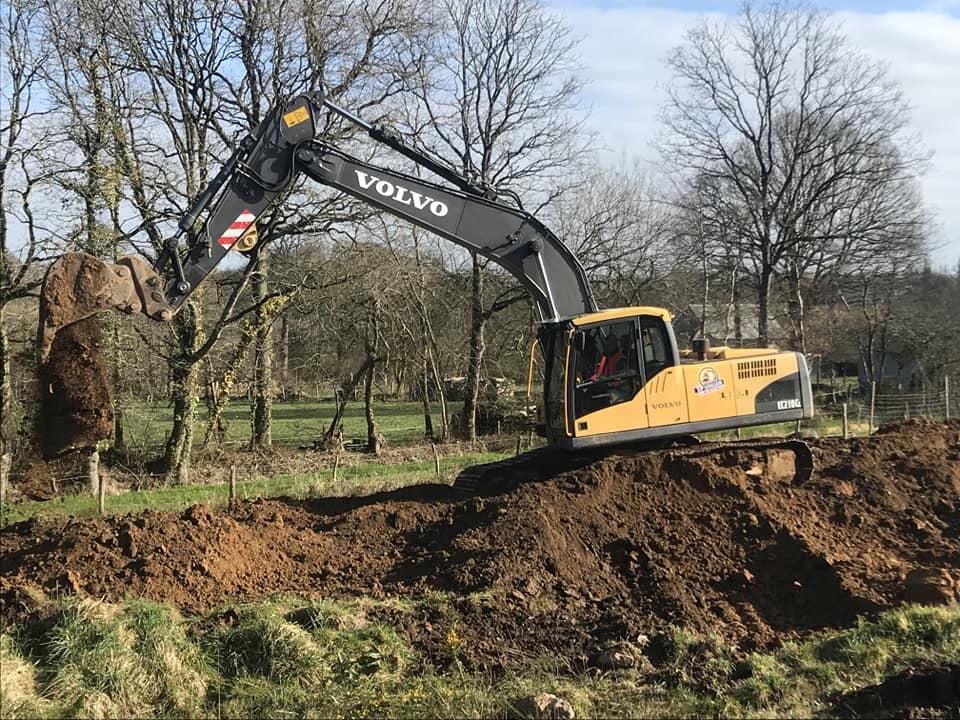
<point x="6" y="389"/>
<point x="118" y="442"/>
<point x="373" y="438"/>
<point x="335" y="424"/>
<point x="183" y="376"/>
<point x="372" y="347"/>
<point x="425" y="401"/>
<point x="216" y="428"/>
<point x="478" y="321"/>
<point x="798" y="310"/>
<point x="285" y="362"/>
<point x="763" y="305"/>
<point x="262" y="434"/>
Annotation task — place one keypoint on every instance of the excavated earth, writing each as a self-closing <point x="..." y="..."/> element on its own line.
<point x="76" y="408"/>
<point x="562" y="554"/>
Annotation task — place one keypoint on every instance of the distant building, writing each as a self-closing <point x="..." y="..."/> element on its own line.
<point x="727" y="324"/>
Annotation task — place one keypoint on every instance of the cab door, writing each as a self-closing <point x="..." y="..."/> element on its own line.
<point x="607" y="388"/>
<point x="664" y="389"/>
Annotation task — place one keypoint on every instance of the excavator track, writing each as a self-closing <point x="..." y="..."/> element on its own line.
<point x="544" y="463"/>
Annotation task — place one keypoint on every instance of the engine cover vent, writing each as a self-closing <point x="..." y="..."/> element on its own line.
<point x="756" y="368"/>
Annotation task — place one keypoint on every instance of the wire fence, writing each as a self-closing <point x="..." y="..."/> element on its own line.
<point x="868" y="407"/>
<point x="852" y="410"/>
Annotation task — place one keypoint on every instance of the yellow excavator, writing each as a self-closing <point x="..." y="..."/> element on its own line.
<point x="611" y="376"/>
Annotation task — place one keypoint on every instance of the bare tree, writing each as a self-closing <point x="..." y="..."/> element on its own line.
<point x="353" y="51"/>
<point x="618" y="229"/>
<point x="497" y="97"/>
<point x="805" y="140"/>
<point x="25" y="242"/>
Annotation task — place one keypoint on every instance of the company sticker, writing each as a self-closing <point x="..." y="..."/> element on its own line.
<point x="709" y="382"/>
<point x="295" y="117"/>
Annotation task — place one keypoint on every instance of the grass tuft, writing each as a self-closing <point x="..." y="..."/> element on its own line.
<point x="18" y="686"/>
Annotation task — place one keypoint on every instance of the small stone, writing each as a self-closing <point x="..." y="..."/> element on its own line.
<point x="747" y="575"/>
<point x="613" y="660"/>
<point x="543" y="705"/>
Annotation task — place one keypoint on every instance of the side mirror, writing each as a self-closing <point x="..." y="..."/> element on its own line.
<point x="579" y="341"/>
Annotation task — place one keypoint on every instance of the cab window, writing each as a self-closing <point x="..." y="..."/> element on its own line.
<point x="654" y="346"/>
<point x="607" y="366"/>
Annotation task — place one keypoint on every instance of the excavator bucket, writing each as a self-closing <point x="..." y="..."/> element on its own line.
<point x="76" y="409"/>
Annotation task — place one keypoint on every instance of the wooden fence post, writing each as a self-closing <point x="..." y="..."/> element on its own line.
<point x="846" y="428"/>
<point x="436" y="459"/>
<point x="96" y="480"/>
<point x="873" y="405"/>
<point x="336" y="466"/>
<point x="946" y="396"/>
<point x="233" y="483"/>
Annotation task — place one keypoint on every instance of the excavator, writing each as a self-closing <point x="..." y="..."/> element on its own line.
<point x="612" y="377"/>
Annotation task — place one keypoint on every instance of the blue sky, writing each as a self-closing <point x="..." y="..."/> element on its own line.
<point x="623" y="46"/>
<point x="730" y="6"/>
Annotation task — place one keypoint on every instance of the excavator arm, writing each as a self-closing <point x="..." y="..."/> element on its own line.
<point x="264" y="166"/>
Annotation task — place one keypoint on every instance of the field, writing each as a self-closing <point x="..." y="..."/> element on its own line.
<point x="294" y="423"/>
<point x="704" y="581"/>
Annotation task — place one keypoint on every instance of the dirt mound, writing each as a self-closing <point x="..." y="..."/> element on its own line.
<point x="726" y="541"/>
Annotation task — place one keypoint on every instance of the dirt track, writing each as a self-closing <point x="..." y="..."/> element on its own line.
<point x="727" y="542"/>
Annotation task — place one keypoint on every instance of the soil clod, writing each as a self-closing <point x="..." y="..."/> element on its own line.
<point x="76" y="407"/>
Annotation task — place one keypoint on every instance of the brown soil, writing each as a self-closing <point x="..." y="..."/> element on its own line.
<point x="725" y="541"/>
<point x="76" y="408"/>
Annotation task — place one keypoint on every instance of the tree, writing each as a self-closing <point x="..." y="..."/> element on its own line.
<point x="805" y="143"/>
<point x="24" y="242"/>
<point x="352" y="51"/>
<point x="497" y="95"/>
<point x="617" y="229"/>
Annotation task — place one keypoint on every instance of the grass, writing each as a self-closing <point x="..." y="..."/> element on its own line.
<point x="288" y="657"/>
<point x="351" y="479"/>
<point x="294" y="423"/>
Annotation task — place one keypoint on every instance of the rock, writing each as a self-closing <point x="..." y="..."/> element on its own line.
<point x="543" y="705"/>
<point x="613" y="660"/>
<point x="623" y="655"/>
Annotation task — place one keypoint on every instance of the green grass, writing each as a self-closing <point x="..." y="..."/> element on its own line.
<point x="294" y="423"/>
<point x="288" y="657"/>
<point x="362" y="478"/>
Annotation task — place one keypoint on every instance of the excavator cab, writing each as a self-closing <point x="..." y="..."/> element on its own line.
<point x="618" y="376"/>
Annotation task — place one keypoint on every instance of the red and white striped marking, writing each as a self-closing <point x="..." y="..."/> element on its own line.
<point x="237" y="228"/>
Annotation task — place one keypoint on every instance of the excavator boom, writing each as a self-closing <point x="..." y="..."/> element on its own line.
<point x="264" y="166"/>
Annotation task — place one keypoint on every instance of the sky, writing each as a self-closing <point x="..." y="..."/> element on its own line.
<point x="624" y="45"/>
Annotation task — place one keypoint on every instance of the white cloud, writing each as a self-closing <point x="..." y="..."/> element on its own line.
<point x="623" y="50"/>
